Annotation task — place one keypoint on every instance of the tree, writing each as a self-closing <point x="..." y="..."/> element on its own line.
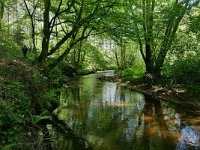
<point x="178" y="11"/>
<point x="155" y="29"/>
<point x="31" y="14"/>
<point x="75" y="21"/>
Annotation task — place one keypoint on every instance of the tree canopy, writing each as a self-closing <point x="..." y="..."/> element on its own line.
<point x="125" y="32"/>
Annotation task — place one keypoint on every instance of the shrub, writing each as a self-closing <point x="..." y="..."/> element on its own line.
<point x="185" y="71"/>
<point x="132" y="73"/>
<point x="23" y="93"/>
<point x="14" y="103"/>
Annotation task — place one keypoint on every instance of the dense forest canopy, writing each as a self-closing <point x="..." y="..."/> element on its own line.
<point x="149" y="34"/>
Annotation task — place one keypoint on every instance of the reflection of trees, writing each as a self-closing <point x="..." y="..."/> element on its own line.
<point x="118" y="116"/>
<point x="182" y="121"/>
<point x="122" y="96"/>
<point x="102" y="110"/>
<point x="156" y="133"/>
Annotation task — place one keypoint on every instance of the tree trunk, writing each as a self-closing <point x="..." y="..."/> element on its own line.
<point x="149" y="61"/>
<point x="122" y="55"/>
<point x="117" y="60"/>
<point x="32" y="18"/>
<point x="79" y="55"/>
<point x="46" y="33"/>
<point x="148" y="10"/>
<point x="74" y="58"/>
<point x="61" y="57"/>
<point x="2" y="7"/>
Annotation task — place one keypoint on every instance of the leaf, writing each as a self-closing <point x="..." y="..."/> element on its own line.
<point x="1" y="122"/>
<point x="38" y="118"/>
<point x="8" y="147"/>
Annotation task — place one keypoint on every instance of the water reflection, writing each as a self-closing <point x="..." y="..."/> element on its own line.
<point x="112" y="117"/>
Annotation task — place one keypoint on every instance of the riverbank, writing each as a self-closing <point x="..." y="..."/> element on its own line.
<point x="176" y="93"/>
<point x="25" y="100"/>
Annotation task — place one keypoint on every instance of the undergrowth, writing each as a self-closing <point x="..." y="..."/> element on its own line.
<point x="24" y="95"/>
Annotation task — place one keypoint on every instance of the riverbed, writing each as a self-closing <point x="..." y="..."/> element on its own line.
<point x="113" y="117"/>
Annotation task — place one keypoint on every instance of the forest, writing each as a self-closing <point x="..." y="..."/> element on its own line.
<point x="153" y="46"/>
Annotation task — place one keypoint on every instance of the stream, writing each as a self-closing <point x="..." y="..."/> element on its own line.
<point x="113" y="117"/>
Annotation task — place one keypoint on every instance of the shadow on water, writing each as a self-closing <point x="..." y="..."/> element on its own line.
<point x="112" y="117"/>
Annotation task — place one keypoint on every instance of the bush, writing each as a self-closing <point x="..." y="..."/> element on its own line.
<point x="57" y="77"/>
<point x="185" y="71"/>
<point x="85" y="71"/>
<point x="23" y="94"/>
<point x="14" y="103"/>
<point x="132" y="73"/>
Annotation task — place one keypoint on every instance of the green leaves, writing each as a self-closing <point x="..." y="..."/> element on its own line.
<point x="8" y="147"/>
<point x="194" y="23"/>
<point x="37" y="118"/>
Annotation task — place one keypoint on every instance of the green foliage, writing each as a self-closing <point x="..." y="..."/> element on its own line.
<point x="11" y="126"/>
<point x="182" y="64"/>
<point x="194" y="22"/>
<point x="19" y="35"/>
<point x="13" y="104"/>
<point x="185" y="71"/>
<point x="36" y="118"/>
<point x="60" y="74"/>
<point x="14" y="93"/>
<point x="34" y="83"/>
<point x="132" y="74"/>
<point x="8" y="147"/>
<point x="95" y="59"/>
<point x="66" y="69"/>
<point x="23" y="97"/>
<point x="8" y="46"/>
<point x="85" y="71"/>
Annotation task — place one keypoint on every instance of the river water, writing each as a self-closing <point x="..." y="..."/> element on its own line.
<point x="112" y="117"/>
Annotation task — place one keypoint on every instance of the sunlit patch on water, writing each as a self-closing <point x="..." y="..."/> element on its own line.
<point x="148" y="118"/>
<point x="195" y="120"/>
<point x="152" y="131"/>
<point x="171" y="136"/>
<point x="173" y="121"/>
